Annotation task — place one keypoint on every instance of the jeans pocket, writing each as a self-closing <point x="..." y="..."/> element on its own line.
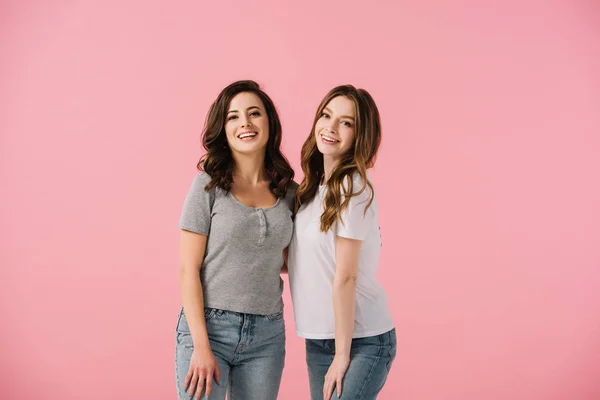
<point x="392" y="349"/>
<point x="209" y="313"/>
<point x="275" y="317"/>
<point x="182" y="325"/>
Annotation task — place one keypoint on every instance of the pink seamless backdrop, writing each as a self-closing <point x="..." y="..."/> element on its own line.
<point x="488" y="182"/>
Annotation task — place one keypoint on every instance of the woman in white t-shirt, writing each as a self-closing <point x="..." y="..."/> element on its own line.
<point x="339" y="307"/>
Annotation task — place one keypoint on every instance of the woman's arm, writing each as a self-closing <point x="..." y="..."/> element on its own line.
<point x="347" y="252"/>
<point x="203" y="363"/>
<point x="192" y="247"/>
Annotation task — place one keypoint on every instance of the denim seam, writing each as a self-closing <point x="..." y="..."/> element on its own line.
<point x="177" y="379"/>
<point x="230" y="394"/>
<point x="177" y="375"/>
<point x="388" y="365"/>
<point x="362" y="389"/>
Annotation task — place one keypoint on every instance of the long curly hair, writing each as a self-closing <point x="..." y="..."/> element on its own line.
<point x="218" y="162"/>
<point x="360" y="157"/>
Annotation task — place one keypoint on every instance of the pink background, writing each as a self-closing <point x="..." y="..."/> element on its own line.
<point x="488" y="182"/>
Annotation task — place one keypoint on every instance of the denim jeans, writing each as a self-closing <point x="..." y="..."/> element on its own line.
<point x="370" y="362"/>
<point x="250" y="351"/>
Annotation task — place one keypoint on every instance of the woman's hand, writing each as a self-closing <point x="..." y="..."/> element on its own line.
<point x="203" y="366"/>
<point x="334" y="376"/>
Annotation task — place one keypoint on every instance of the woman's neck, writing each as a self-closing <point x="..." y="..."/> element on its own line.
<point x="329" y="164"/>
<point x="250" y="168"/>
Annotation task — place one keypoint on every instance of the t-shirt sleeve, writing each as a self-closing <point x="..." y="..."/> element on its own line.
<point x="197" y="208"/>
<point x="354" y="222"/>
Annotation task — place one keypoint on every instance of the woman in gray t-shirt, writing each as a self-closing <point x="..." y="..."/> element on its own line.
<point x="235" y="224"/>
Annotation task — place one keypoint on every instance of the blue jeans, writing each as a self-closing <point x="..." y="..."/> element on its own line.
<point x="250" y="351"/>
<point x="370" y="362"/>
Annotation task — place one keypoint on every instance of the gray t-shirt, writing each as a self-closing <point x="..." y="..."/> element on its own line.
<point x="243" y="258"/>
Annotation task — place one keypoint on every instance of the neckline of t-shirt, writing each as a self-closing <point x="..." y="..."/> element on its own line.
<point x="254" y="208"/>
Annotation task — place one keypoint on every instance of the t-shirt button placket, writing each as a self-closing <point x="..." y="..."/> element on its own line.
<point x="263" y="226"/>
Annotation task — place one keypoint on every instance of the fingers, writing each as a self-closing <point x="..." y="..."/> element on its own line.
<point x="328" y="388"/>
<point x="188" y="378"/>
<point x="327" y="393"/>
<point x="192" y="384"/>
<point x="330" y="384"/>
<point x="217" y="374"/>
<point x="209" y="382"/>
<point x="200" y="385"/>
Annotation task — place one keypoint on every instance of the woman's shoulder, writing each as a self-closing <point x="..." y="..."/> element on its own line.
<point x="358" y="183"/>
<point x="202" y="178"/>
<point x="200" y="181"/>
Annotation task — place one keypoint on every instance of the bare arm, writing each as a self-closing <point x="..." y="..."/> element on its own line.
<point x="203" y="364"/>
<point x="191" y="255"/>
<point x="347" y="252"/>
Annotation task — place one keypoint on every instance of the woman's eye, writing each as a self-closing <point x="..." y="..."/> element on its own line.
<point x="346" y="123"/>
<point x="255" y="114"/>
<point x="231" y="117"/>
<point x="324" y="115"/>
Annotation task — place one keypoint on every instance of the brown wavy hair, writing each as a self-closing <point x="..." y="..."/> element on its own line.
<point x="218" y="162"/>
<point x="360" y="157"/>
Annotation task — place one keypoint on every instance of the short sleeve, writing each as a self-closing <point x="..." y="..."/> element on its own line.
<point x="197" y="208"/>
<point x="354" y="222"/>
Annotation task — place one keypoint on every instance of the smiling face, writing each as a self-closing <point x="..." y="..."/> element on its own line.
<point x="335" y="128"/>
<point x="247" y="124"/>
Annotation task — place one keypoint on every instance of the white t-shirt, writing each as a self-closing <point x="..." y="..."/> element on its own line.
<point x="311" y="266"/>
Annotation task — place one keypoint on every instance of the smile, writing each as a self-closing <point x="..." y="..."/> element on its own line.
<point x="328" y="139"/>
<point x="245" y="135"/>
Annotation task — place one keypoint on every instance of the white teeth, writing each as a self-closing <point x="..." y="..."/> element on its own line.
<point x="245" y="135"/>
<point x="327" y="138"/>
